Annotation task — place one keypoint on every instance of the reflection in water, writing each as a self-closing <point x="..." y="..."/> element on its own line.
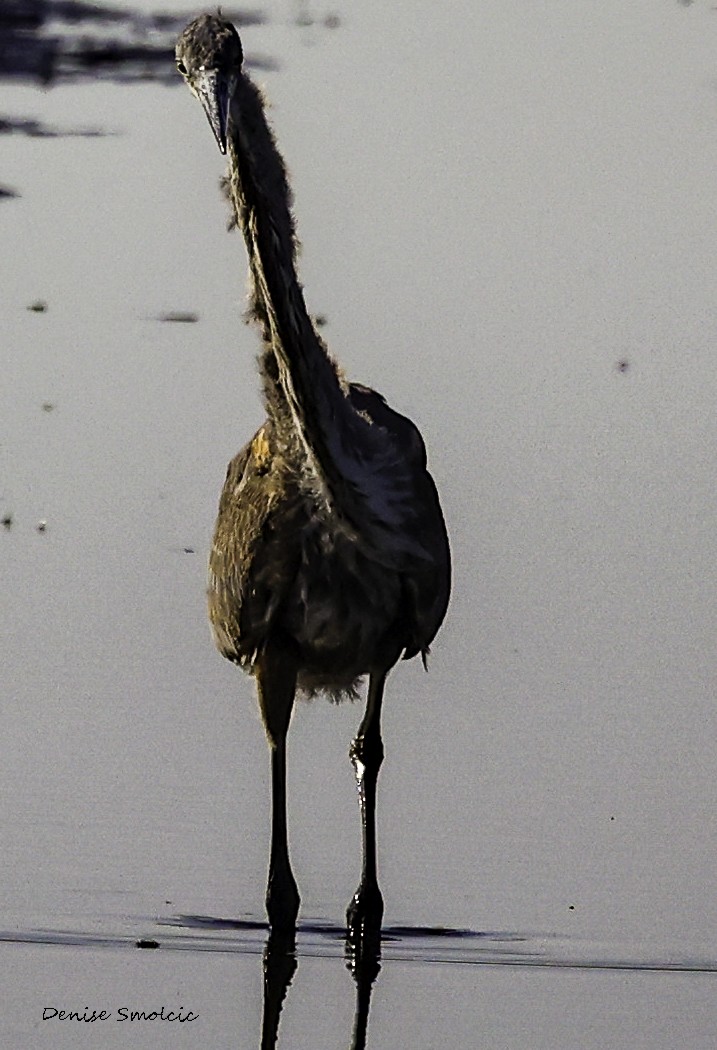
<point x="404" y="944"/>
<point x="280" y="965"/>
<point x="66" y="41"/>
<point x="363" y="953"/>
<point x="69" y="40"/>
<point x="399" y="945"/>
<point x="279" y="969"/>
<point x="54" y="41"/>
<point x="35" y="129"/>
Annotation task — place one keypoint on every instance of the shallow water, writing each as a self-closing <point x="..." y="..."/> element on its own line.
<point x="509" y="224"/>
<point x="471" y="988"/>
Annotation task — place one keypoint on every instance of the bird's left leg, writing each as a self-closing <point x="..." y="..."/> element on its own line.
<point x="276" y="678"/>
<point x="366" y="908"/>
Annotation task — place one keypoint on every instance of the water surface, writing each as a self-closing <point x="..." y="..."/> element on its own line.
<point x="508" y="222"/>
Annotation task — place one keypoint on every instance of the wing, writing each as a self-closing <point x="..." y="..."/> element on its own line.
<point x="427" y="584"/>
<point x="254" y="555"/>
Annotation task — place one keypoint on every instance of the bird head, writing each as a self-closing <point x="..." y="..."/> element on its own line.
<point x="209" y="56"/>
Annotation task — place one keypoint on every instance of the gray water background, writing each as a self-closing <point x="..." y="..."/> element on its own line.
<point x="508" y="219"/>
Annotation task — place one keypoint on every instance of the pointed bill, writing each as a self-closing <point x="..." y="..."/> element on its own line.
<point x="213" y="92"/>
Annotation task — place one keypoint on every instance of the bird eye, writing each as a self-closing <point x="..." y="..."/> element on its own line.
<point x="181" y="67"/>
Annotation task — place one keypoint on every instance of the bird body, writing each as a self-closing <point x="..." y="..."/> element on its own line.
<point x="283" y="561"/>
<point x="330" y="557"/>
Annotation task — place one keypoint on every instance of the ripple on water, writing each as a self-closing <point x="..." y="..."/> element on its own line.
<point x="405" y="943"/>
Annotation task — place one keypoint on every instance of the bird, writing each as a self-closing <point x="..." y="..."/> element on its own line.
<point x="330" y="559"/>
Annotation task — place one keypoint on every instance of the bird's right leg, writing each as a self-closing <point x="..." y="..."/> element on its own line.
<point x="276" y="678"/>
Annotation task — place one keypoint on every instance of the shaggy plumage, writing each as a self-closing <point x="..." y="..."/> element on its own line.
<point x="330" y="557"/>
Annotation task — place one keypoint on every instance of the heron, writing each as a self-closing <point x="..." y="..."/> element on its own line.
<point x="330" y="558"/>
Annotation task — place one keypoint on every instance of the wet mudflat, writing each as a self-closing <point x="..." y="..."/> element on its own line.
<point x="508" y="224"/>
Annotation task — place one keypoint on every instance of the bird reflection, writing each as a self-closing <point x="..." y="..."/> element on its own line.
<point x="363" y="955"/>
<point x="363" y="960"/>
<point x="279" y="968"/>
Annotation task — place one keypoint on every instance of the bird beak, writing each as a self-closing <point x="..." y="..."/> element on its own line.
<point x="214" y="93"/>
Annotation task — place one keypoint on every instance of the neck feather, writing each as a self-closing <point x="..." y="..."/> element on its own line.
<point x="303" y="387"/>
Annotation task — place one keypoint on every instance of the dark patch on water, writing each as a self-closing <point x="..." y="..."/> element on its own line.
<point x="64" y="41"/>
<point x="179" y="317"/>
<point x="404" y="943"/>
<point x="35" y="129"/>
<point x="304" y="18"/>
<point x="401" y="943"/>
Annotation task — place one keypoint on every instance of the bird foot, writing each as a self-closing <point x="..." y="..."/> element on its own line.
<point x="282" y="901"/>
<point x="365" y="912"/>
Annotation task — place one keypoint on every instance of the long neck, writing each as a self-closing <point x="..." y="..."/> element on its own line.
<point x="303" y="388"/>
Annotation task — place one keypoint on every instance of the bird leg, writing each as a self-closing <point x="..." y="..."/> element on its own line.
<point x="276" y="678"/>
<point x="366" y="908"/>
